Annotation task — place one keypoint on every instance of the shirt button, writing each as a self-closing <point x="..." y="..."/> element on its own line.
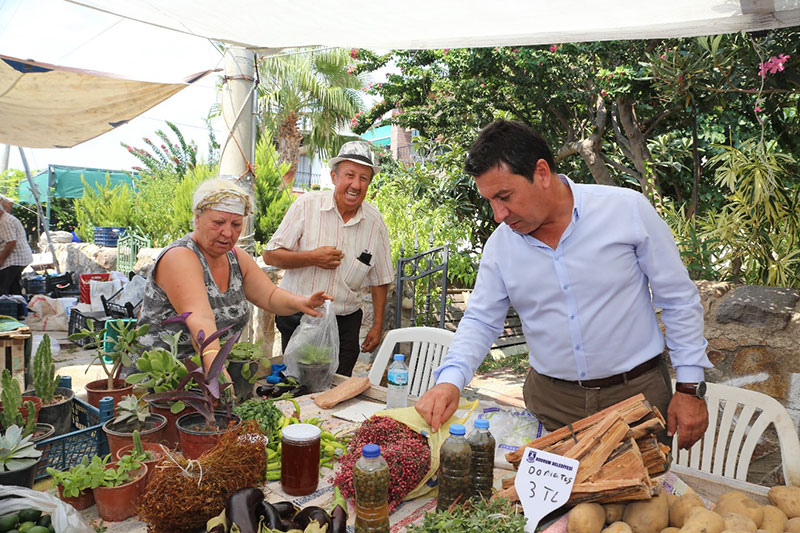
<point x="577" y="346"/>
<point x="557" y="259"/>
<point x="583" y="374"/>
<point x="572" y="317"/>
<point x="565" y="287"/>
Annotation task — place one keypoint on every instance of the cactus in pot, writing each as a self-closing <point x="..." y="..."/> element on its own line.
<point x="45" y="379"/>
<point x="11" y="398"/>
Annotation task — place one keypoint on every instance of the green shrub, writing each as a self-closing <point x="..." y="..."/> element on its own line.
<point x="103" y="206"/>
<point x="272" y="199"/>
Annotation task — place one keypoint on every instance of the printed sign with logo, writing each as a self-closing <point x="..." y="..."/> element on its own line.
<point x="544" y="483"/>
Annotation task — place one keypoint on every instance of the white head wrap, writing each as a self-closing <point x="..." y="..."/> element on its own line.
<point x="221" y="194"/>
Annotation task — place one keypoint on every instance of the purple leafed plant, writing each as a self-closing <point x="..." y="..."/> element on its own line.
<point x="207" y="388"/>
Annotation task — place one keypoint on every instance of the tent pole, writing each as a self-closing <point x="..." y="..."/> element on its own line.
<point x="35" y="193"/>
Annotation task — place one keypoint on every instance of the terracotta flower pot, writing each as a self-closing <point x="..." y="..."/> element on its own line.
<point x="195" y="438"/>
<point x="115" y="504"/>
<point x="98" y="389"/>
<point x="23" y="409"/>
<point x="120" y="436"/>
<point x="159" y="452"/>
<point x="59" y="413"/>
<point x="170" y="438"/>
<point x="83" y="501"/>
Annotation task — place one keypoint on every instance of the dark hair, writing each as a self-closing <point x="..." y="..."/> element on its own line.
<point x="510" y="142"/>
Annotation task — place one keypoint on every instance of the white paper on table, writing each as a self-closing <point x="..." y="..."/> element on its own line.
<point x="359" y="411"/>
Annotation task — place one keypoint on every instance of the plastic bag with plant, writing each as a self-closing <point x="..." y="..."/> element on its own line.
<point x="312" y="355"/>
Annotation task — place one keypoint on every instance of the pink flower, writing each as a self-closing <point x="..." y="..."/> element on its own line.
<point x="553" y="48"/>
<point x="773" y="65"/>
<point x="663" y="56"/>
<point x="446" y="51"/>
<point x="483" y="85"/>
<point x="603" y="92"/>
<point x="351" y="69"/>
<point x="516" y="50"/>
<point x="758" y="109"/>
<point x="354" y="53"/>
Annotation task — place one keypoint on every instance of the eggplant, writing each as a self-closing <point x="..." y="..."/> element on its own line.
<point x="338" y="513"/>
<point x="270" y="515"/>
<point x="312" y="512"/>
<point x="219" y="528"/>
<point x="287" y="524"/>
<point x="241" y="509"/>
<point x="286" y="509"/>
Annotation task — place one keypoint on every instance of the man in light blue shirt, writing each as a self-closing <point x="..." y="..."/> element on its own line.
<point x="584" y="266"/>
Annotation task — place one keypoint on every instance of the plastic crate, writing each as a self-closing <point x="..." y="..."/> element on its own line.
<point x="128" y="247"/>
<point x="86" y="439"/>
<point x="108" y="235"/>
<point x="34" y="285"/>
<point x="62" y="283"/>
<point x="79" y="321"/>
<point x="83" y="282"/>
<point x="13" y="308"/>
<point x="115" y="310"/>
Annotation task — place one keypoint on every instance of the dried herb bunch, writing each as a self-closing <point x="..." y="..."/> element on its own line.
<point x="184" y="494"/>
<point x="406" y="452"/>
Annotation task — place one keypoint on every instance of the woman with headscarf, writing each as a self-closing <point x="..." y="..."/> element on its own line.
<point x="206" y="274"/>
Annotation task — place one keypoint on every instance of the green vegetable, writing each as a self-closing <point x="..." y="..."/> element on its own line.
<point x="25" y="526"/>
<point x="498" y="516"/>
<point x="37" y="529"/>
<point x="29" y="515"/>
<point x="314" y="355"/>
<point x="9" y="522"/>
<point x="262" y="411"/>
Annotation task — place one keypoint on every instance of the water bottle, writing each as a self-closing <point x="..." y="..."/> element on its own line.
<point x="397" y="383"/>
<point x="371" y="483"/>
<point x="482" y="444"/>
<point x="455" y="460"/>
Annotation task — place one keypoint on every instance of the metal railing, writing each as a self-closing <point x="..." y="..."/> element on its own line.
<point x="304" y="180"/>
<point x="423" y="278"/>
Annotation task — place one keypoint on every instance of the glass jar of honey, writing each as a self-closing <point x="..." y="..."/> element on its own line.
<point x="300" y="459"/>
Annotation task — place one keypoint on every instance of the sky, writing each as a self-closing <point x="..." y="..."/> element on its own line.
<point x="61" y="33"/>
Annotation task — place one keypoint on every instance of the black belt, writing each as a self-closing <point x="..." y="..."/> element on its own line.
<point x="610" y="381"/>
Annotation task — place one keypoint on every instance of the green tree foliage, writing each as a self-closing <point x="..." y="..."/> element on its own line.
<point x="103" y="206"/>
<point x="175" y="158"/>
<point x="304" y="98"/>
<point x="272" y="198"/>
<point x="417" y="202"/>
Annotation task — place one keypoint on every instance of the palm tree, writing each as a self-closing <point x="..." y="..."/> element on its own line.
<point x="314" y="89"/>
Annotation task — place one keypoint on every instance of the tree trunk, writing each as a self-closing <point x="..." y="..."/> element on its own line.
<point x="695" y="165"/>
<point x="289" y="140"/>
<point x="590" y="148"/>
<point x="638" y="148"/>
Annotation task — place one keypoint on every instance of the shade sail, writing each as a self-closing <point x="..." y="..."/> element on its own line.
<point x="49" y="106"/>
<point x="61" y="181"/>
<point x="449" y="23"/>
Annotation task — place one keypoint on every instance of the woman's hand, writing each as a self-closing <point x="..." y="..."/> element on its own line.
<point x="309" y="305"/>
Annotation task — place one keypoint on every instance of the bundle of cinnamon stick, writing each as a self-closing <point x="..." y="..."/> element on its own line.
<point x="617" y="449"/>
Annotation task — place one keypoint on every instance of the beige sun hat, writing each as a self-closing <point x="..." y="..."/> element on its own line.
<point x="357" y="152"/>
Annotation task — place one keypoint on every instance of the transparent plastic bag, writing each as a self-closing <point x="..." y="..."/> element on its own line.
<point x="511" y="428"/>
<point x="312" y="355"/>
<point x="65" y="518"/>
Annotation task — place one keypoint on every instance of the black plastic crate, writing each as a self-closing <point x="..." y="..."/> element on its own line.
<point x="86" y="439"/>
<point x="34" y="285"/>
<point x="60" y="282"/>
<point x="13" y="308"/>
<point x="116" y="310"/>
<point x="79" y="321"/>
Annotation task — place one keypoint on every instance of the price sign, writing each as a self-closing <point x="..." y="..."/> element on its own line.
<point x="544" y="482"/>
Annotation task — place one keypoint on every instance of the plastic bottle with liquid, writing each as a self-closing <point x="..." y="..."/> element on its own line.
<point x="371" y="483"/>
<point x="397" y="383"/>
<point x="455" y="461"/>
<point x="482" y="444"/>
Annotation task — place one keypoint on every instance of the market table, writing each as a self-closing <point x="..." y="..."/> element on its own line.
<point x="344" y="417"/>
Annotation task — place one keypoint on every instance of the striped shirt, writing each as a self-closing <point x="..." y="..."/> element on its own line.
<point x="11" y="230"/>
<point x="313" y="221"/>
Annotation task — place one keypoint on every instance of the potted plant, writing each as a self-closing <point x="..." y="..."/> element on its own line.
<point x="148" y="453"/>
<point x="200" y="431"/>
<point x="133" y="416"/>
<point x="126" y="343"/>
<point x="18" y="458"/>
<point x="56" y="408"/>
<point x="314" y="367"/>
<point x="14" y="412"/>
<point x="243" y="363"/>
<point x="161" y="371"/>
<point x="123" y="482"/>
<point x="76" y="485"/>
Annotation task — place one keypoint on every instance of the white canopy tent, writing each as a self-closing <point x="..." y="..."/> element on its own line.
<point x="415" y="24"/>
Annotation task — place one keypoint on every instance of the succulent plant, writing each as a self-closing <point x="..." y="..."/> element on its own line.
<point x="16" y="451"/>
<point x="45" y="379"/>
<point x="130" y="410"/>
<point x="11" y="398"/>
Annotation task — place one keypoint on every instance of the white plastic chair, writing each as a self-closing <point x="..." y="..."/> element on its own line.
<point x="736" y="420"/>
<point x="428" y="346"/>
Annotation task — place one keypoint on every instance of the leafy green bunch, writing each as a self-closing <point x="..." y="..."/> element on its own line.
<point x="262" y="411"/>
<point x="497" y="515"/>
<point x="314" y="355"/>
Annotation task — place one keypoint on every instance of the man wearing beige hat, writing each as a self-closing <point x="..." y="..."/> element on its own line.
<point x="15" y="254"/>
<point x="335" y="242"/>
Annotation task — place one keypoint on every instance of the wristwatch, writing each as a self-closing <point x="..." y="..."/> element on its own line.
<point x="695" y="389"/>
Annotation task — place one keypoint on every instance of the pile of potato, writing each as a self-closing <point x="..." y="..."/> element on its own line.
<point x="734" y="512"/>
